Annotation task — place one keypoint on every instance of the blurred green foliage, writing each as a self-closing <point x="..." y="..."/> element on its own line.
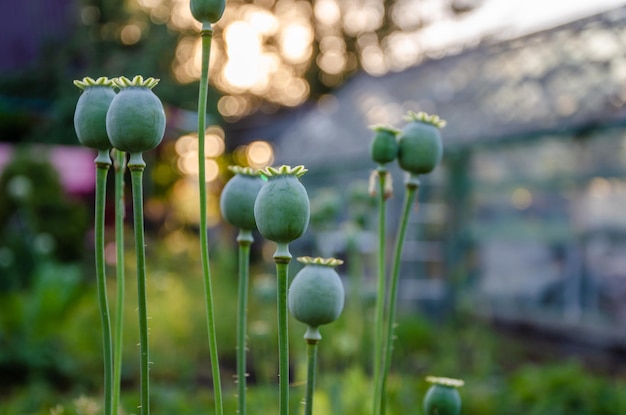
<point x="571" y="388"/>
<point x="51" y="344"/>
<point x="41" y="276"/>
<point x="38" y="221"/>
<point x="30" y="320"/>
<point x="59" y="323"/>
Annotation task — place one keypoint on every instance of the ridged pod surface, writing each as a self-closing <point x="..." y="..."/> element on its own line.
<point x="91" y="111"/>
<point x="238" y="197"/>
<point x="420" y="147"/>
<point x="316" y="294"/>
<point x="443" y="398"/>
<point x="135" y="121"/>
<point x="282" y="207"/>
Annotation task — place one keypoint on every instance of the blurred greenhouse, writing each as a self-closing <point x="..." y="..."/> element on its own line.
<point x="528" y="212"/>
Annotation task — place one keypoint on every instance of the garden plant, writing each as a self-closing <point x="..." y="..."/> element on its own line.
<point x="90" y="125"/>
<point x="237" y="206"/>
<point x="123" y="117"/>
<point x="135" y="123"/>
<point x="282" y="213"/>
<point x="207" y="12"/>
<point x="316" y="297"/>
<point x="419" y="150"/>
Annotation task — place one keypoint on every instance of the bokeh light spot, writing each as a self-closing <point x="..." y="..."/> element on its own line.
<point x="259" y="154"/>
<point x="130" y="34"/>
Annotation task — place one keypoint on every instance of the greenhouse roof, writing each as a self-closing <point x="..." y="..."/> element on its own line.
<point x="567" y="78"/>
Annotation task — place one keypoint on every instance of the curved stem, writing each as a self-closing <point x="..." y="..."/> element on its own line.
<point x="311" y="352"/>
<point x="282" y="259"/>
<point x="207" y="35"/>
<point x="377" y="360"/>
<point x="120" y="168"/>
<point x="136" y="166"/>
<point x="409" y="197"/>
<point x="103" y="163"/>
<point x="244" y="239"/>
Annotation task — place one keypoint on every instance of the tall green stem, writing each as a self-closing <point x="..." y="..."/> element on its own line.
<point x="412" y="185"/>
<point x="136" y="165"/>
<point x="103" y="163"/>
<point x="282" y="257"/>
<point x="377" y="360"/>
<point x="244" y="239"/>
<point x="120" y="168"/>
<point x="311" y="352"/>
<point x="207" y="35"/>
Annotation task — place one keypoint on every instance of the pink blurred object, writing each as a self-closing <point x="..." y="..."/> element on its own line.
<point x="76" y="168"/>
<point x="5" y="155"/>
<point x="74" y="164"/>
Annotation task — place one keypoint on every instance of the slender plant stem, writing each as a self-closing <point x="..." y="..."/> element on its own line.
<point x="377" y="360"/>
<point x="412" y="185"/>
<point x="244" y="239"/>
<point x="136" y="166"/>
<point x="207" y="35"/>
<point x="311" y="352"/>
<point x="282" y="259"/>
<point x="103" y="163"/>
<point x="120" y="168"/>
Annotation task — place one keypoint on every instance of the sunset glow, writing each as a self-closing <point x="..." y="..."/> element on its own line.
<point x="187" y="153"/>
<point x="261" y="51"/>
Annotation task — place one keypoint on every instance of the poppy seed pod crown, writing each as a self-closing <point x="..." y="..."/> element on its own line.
<point x="135" y="121"/>
<point x="282" y="207"/>
<point x="316" y="295"/>
<point x="91" y="111"/>
<point x="384" y="147"/>
<point x="238" y="197"/>
<point x="420" y="147"/>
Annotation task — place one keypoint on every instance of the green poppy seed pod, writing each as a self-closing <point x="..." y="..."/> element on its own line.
<point x="282" y="207"/>
<point x="91" y="111"/>
<point x="135" y="121"/>
<point x="384" y="147"/>
<point x="316" y="294"/>
<point x="443" y="398"/>
<point x="238" y="196"/>
<point x="420" y="147"/>
<point x="207" y="11"/>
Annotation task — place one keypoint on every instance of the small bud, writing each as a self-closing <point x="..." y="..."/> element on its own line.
<point x="384" y="147"/>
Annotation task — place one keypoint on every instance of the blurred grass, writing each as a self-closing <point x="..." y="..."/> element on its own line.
<point x="59" y="347"/>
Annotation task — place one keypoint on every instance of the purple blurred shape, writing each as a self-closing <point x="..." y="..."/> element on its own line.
<point x="74" y="165"/>
<point x="27" y="27"/>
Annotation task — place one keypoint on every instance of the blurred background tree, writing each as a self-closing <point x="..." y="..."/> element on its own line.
<point x="302" y="49"/>
<point x="267" y="54"/>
